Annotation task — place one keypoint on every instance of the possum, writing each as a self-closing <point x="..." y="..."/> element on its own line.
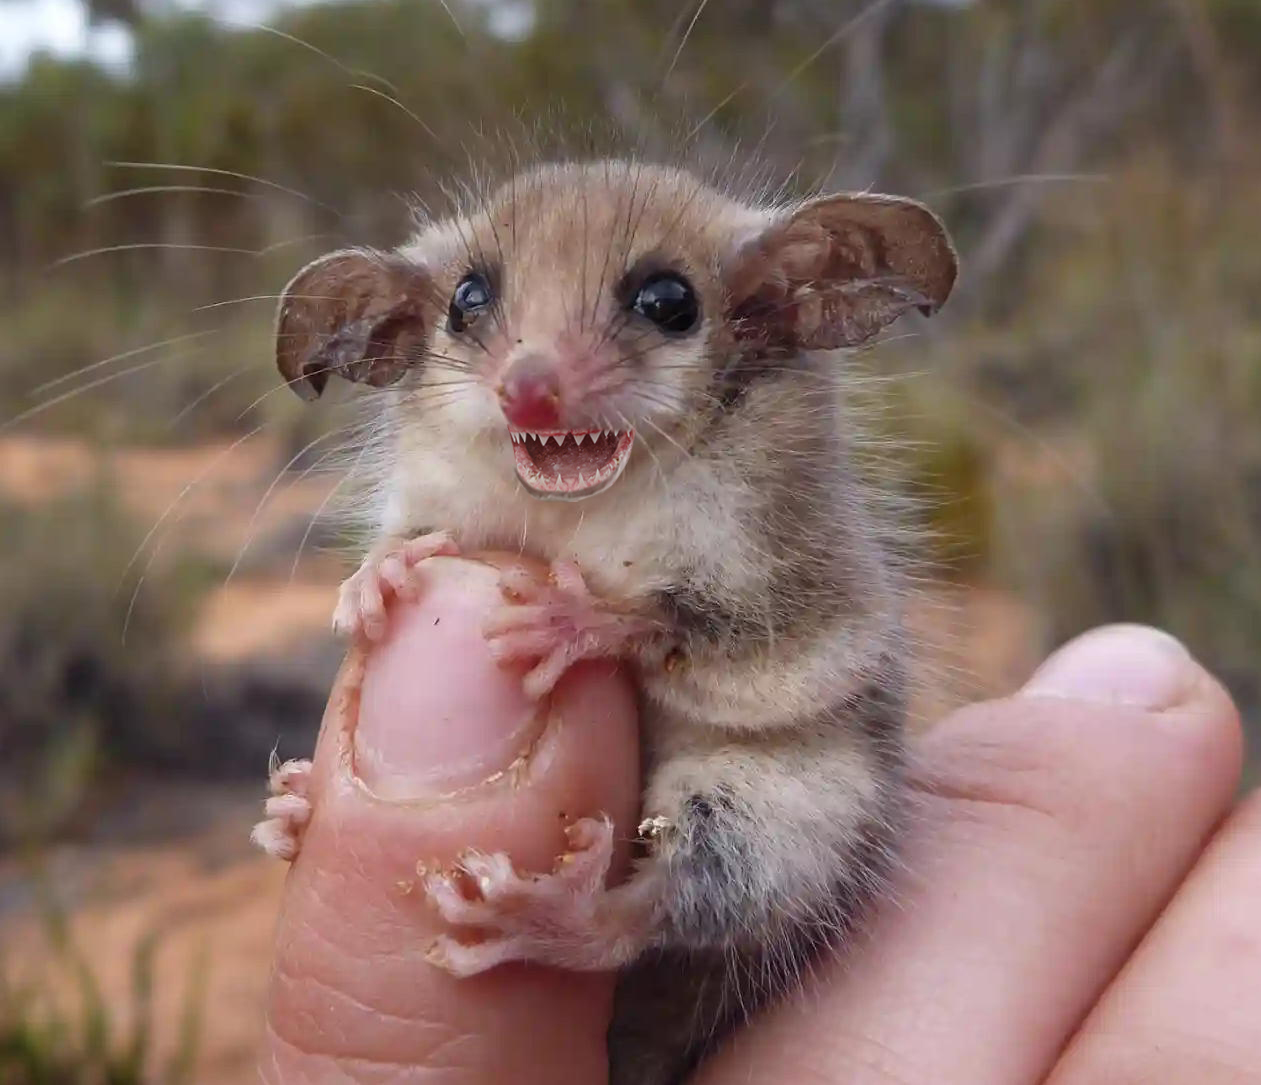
<point x="639" y="377"/>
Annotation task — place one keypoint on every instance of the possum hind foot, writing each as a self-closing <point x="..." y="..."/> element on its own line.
<point x="566" y="918"/>
<point x="388" y="570"/>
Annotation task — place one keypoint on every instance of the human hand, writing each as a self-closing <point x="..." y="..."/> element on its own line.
<point x="1052" y="829"/>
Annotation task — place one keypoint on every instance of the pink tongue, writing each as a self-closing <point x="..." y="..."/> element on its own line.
<point x="572" y="458"/>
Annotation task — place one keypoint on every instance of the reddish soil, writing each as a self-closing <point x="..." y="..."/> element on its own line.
<point x="207" y="892"/>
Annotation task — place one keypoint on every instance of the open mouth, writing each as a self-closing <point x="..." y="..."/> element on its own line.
<point x="570" y="463"/>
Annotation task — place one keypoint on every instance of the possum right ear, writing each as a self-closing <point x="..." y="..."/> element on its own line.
<point x="355" y="313"/>
<point x="839" y="269"/>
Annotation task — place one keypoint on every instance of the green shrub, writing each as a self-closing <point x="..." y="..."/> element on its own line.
<point x="89" y="666"/>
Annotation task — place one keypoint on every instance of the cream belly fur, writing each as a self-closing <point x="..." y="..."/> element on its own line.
<point x="739" y="559"/>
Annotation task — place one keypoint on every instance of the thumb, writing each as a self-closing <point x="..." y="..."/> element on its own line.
<point x="429" y="747"/>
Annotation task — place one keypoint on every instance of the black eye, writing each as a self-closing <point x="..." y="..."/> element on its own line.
<point x="668" y="300"/>
<point x="471" y="296"/>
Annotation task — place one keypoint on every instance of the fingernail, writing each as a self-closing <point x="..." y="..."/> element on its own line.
<point x="1118" y="664"/>
<point x="436" y="712"/>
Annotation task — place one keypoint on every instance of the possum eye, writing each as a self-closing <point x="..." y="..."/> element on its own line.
<point x="471" y="296"/>
<point x="668" y="300"/>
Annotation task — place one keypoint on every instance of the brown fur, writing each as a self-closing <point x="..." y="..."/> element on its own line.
<point x="741" y="526"/>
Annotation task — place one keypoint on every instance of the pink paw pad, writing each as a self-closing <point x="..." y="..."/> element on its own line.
<point x="388" y="571"/>
<point x="288" y="810"/>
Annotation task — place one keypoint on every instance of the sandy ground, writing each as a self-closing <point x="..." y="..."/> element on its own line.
<point x="211" y="908"/>
<point x="206" y="494"/>
<point x="211" y="898"/>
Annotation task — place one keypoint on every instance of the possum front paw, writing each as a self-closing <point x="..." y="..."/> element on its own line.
<point x="388" y="570"/>
<point x="288" y="810"/>
<point x="556" y="622"/>
<point x="567" y="918"/>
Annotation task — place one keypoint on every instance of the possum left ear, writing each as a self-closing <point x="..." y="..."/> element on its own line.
<point x="357" y="314"/>
<point x="839" y="270"/>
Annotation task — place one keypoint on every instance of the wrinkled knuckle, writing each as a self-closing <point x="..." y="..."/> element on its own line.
<point x="1018" y="762"/>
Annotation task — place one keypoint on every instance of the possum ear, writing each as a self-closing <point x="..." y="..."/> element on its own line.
<point x="358" y="314"/>
<point x="839" y="270"/>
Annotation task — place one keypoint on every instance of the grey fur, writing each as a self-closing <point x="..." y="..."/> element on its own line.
<point x="774" y="705"/>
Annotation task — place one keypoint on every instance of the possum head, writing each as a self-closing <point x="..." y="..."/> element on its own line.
<point x="581" y="309"/>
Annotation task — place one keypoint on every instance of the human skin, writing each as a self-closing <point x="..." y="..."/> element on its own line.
<point x="1078" y="897"/>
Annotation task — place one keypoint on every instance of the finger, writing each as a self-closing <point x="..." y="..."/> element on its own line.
<point x="429" y="748"/>
<point x="1052" y="828"/>
<point x="1187" y="1007"/>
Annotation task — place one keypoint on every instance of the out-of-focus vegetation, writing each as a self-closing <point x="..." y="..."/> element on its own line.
<point x="1083" y="418"/>
<point x="58" y="1029"/>
<point x="77" y="696"/>
<point x="1084" y="411"/>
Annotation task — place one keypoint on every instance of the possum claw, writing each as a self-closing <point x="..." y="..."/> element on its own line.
<point x="554" y="623"/>
<point x="388" y="570"/>
<point x="288" y="810"/>
<point x="565" y="918"/>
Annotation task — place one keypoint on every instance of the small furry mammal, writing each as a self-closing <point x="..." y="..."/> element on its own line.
<point x="628" y="373"/>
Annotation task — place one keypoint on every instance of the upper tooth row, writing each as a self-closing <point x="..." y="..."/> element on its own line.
<point x="520" y="435"/>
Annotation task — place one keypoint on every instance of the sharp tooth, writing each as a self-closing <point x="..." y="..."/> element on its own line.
<point x="533" y="436"/>
<point x="581" y="481"/>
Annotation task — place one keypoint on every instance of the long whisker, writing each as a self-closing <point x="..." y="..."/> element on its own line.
<point x="250" y="528"/>
<point x="187" y="489"/>
<point x="277" y="245"/>
<point x="323" y="505"/>
<point x="354" y="73"/>
<point x="118" y="358"/>
<point x="395" y="102"/>
<point x="845" y="29"/>
<point x="695" y="130"/>
<point x="75" y="256"/>
<point x="48" y="404"/>
<point x="261" y="297"/>
<point x="455" y="22"/>
<point x="108" y="197"/>
<point x="157" y="548"/>
<point x="683" y="41"/>
<point x="1019" y="179"/>
<point x="201" y="398"/>
<point x="226" y="173"/>
<point x="662" y="479"/>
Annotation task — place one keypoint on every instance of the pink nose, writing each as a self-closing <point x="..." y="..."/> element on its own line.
<point x="530" y="394"/>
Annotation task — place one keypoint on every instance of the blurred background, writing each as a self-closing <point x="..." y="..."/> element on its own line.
<point x="1081" y="423"/>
